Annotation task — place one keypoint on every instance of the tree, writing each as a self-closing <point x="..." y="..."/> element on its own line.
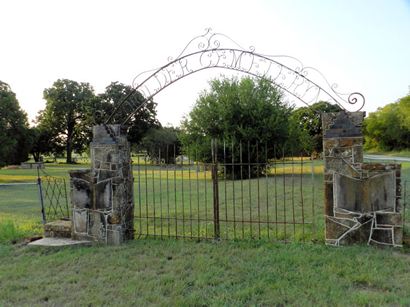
<point x="389" y="127"/>
<point x="141" y="122"/>
<point x="247" y="111"/>
<point x="65" y="116"/>
<point x="308" y="124"/>
<point x="162" y="144"/>
<point x="14" y="131"/>
<point x="44" y="143"/>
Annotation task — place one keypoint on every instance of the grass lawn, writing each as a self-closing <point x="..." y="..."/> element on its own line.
<point x="185" y="272"/>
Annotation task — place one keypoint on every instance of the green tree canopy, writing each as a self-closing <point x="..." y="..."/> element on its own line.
<point x="144" y="120"/>
<point x="162" y="144"/>
<point x="307" y="122"/>
<point x="246" y="110"/>
<point x="15" y="137"/>
<point x="65" y="118"/>
<point x="44" y="143"/>
<point x="389" y="127"/>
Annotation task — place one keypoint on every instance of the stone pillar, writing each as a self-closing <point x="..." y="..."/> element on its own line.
<point x="362" y="200"/>
<point x="102" y="197"/>
<point x="342" y="149"/>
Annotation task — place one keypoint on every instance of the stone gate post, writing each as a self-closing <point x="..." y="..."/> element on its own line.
<point x="102" y="197"/>
<point x="362" y="200"/>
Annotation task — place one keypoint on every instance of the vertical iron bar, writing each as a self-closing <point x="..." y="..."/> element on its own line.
<point x="217" y="233"/>
<point x="59" y="182"/>
<point x="197" y="190"/>
<point x="60" y="195"/>
<point x="153" y="194"/>
<point x="301" y="197"/>
<point x="160" y="190"/>
<point x="190" y="193"/>
<point x="225" y="195"/>
<point x="249" y="189"/>
<point x="146" y="192"/>
<point x="45" y="194"/>
<point x="233" y="190"/>
<point x="175" y="193"/>
<point x="182" y="196"/>
<point x="241" y="164"/>
<point x="267" y="187"/>
<point x="66" y="200"/>
<point x="139" y="194"/>
<point x="284" y="192"/>
<point x="206" y="201"/>
<point x="258" y="188"/>
<point x="51" y="208"/>
<point x="293" y="194"/>
<point x="167" y="176"/>
<point x="405" y="202"/>
<point x="40" y="191"/>
<point x="276" y="193"/>
<point x="313" y="198"/>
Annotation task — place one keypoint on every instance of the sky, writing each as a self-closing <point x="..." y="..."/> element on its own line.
<point x="362" y="45"/>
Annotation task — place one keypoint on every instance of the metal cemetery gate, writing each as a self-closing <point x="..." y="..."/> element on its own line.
<point x="229" y="197"/>
<point x="266" y="198"/>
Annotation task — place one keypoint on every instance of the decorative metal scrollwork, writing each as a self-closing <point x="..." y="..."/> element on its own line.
<point x="215" y="50"/>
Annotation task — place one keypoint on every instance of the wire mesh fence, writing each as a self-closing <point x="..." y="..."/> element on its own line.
<point x="46" y="199"/>
<point x="53" y="198"/>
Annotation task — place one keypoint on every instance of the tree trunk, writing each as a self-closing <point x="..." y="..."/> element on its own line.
<point x="36" y="156"/>
<point x="70" y="135"/>
<point x="69" y="150"/>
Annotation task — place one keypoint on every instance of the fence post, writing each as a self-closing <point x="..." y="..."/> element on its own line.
<point x="217" y="229"/>
<point x="66" y="200"/>
<point x="405" y="202"/>
<point x="40" y="190"/>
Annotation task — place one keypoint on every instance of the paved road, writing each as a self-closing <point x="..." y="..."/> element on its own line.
<point x="388" y="158"/>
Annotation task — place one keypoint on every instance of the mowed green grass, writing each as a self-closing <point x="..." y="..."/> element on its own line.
<point x="186" y="272"/>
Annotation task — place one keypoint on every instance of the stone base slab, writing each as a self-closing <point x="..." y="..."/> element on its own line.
<point x="59" y="242"/>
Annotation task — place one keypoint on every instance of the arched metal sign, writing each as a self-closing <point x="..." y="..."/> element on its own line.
<point x="216" y="50"/>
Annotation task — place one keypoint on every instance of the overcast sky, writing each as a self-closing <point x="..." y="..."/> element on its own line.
<point x="360" y="45"/>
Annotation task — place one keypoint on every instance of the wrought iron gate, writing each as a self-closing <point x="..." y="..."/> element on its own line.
<point x="229" y="197"/>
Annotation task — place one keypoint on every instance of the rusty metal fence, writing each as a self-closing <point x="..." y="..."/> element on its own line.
<point x="235" y="195"/>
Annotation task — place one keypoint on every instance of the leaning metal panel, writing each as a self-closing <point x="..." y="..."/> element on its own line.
<point x="55" y="198"/>
<point x="215" y="50"/>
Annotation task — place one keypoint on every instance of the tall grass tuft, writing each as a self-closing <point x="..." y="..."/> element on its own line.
<point x="10" y="232"/>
